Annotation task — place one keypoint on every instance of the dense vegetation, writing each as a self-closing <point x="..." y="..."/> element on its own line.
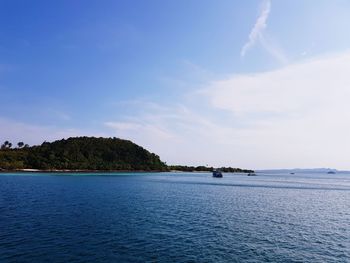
<point x="207" y="169"/>
<point x="80" y="153"/>
<point x="90" y="153"/>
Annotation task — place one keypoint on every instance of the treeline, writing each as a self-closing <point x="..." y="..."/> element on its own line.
<point x="80" y="153"/>
<point x="8" y="145"/>
<point x="184" y="168"/>
<point x="90" y="153"/>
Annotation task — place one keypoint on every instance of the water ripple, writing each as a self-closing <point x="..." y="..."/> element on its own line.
<point x="174" y="218"/>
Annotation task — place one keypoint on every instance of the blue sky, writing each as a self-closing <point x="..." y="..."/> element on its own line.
<point x="257" y="84"/>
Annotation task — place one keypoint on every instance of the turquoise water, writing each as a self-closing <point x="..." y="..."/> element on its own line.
<point x="174" y="217"/>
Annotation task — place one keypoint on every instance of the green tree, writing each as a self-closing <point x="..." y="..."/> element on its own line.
<point x="6" y="145"/>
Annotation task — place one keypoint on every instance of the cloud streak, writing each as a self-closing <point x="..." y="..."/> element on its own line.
<point x="259" y="27"/>
<point x="258" y="35"/>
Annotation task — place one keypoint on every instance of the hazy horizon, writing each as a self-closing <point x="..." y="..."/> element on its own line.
<point x="258" y="84"/>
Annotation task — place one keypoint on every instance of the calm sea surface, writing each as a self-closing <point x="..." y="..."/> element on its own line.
<point x="174" y="217"/>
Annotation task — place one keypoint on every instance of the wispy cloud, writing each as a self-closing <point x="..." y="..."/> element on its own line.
<point x="258" y="28"/>
<point x="16" y="131"/>
<point x="58" y="114"/>
<point x="179" y="133"/>
<point x="273" y="49"/>
<point x="258" y="34"/>
<point x="311" y="85"/>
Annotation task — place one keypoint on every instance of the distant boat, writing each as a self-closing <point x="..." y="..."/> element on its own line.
<point x="331" y="172"/>
<point x="217" y="174"/>
<point x="291" y="173"/>
<point x="251" y="174"/>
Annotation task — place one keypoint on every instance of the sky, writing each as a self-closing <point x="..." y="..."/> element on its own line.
<point x="254" y="84"/>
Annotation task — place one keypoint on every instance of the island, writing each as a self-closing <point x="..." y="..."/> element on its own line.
<point x="81" y="154"/>
<point x="84" y="154"/>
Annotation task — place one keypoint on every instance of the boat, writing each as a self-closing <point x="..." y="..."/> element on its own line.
<point x="251" y="174"/>
<point x="217" y="174"/>
<point x="331" y="172"/>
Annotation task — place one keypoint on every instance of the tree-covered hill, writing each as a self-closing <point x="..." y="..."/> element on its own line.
<point x="80" y="153"/>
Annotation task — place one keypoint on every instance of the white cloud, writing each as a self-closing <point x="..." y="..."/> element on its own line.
<point x="257" y="34"/>
<point x="295" y="89"/>
<point x="145" y="131"/>
<point x="273" y="49"/>
<point x="258" y="28"/>
<point x="298" y="114"/>
<point x="292" y="117"/>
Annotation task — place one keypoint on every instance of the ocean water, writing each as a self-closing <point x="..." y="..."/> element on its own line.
<point x="174" y="217"/>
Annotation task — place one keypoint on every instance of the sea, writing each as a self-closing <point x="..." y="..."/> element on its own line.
<point x="174" y="217"/>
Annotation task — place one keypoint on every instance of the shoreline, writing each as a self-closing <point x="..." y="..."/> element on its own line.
<point x="101" y="171"/>
<point x="79" y="171"/>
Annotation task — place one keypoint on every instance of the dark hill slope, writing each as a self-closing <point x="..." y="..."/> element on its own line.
<point x="82" y="153"/>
